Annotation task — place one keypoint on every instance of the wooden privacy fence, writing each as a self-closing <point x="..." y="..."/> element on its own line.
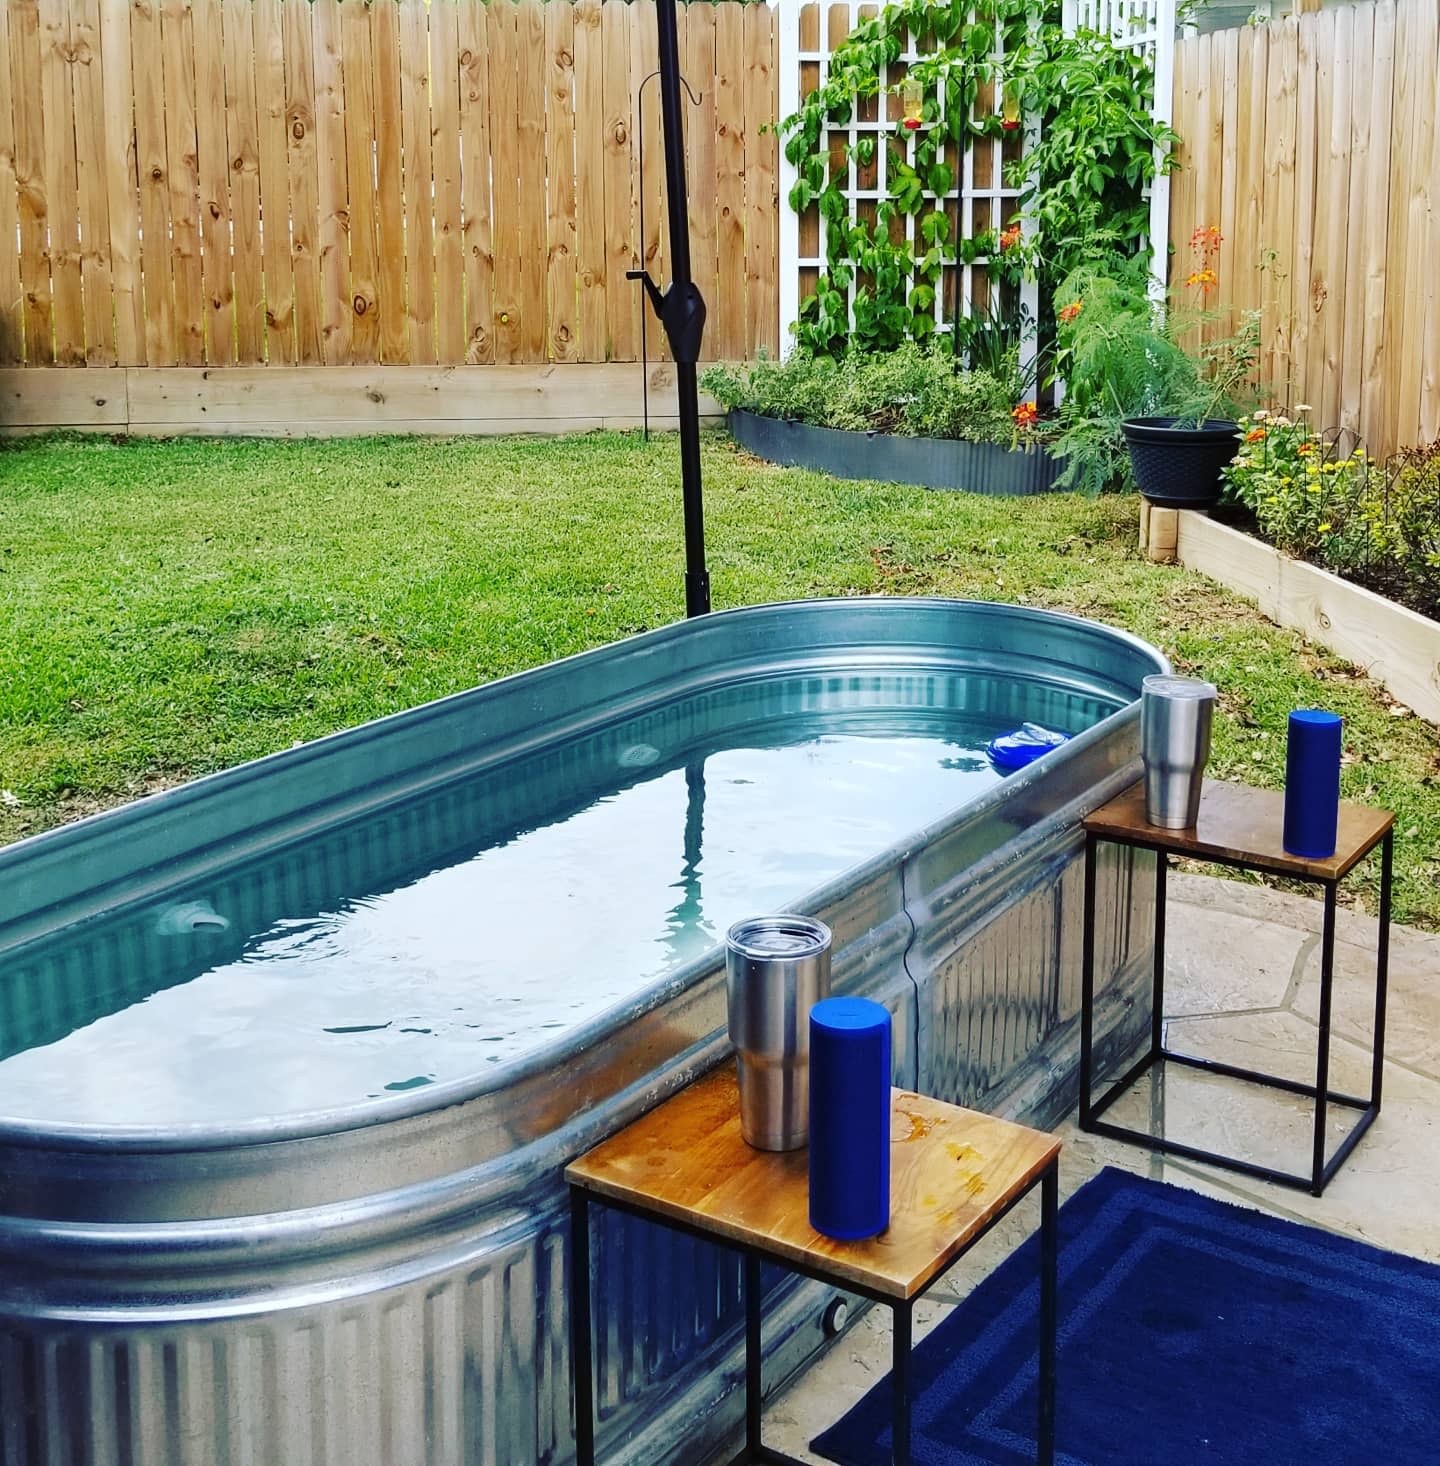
<point x="1312" y="143"/>
<point x="340" y="182"/>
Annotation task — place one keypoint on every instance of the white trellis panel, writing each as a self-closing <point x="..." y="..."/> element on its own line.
<point x="1148" y="26"/>
<point x="993" y="198"/>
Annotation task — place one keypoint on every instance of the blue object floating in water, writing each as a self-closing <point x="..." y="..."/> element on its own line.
<point x="1024" y="746"/>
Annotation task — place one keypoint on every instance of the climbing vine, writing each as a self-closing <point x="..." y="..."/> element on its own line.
<point x="1081" y="180"/>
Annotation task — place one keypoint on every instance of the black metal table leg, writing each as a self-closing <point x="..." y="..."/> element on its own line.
<point x="1049" y="1253"/>
<point x="1322" y="1061"/>
<point x="1382" y="968"/>
<point x="1087" y="985"/>
<point x="580" y="1345"/>
<point x="754" y="1387"/>
<point x="1157" y="990"/>
<point x="900" y="1383"/>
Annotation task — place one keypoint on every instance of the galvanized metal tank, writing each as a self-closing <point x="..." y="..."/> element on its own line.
<point x="386" y="1282"/>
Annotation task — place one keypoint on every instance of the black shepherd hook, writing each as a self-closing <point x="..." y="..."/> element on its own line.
<point x="644" y="275"/>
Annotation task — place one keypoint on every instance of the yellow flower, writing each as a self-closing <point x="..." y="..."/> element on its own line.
<point x="1323" y="528"/>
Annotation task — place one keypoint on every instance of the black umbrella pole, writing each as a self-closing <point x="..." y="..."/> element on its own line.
<point x="683" y="315"/>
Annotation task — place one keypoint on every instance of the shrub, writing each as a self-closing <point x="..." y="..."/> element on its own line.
<point x="1344" y="510"/>
<point x="911" y="391"/>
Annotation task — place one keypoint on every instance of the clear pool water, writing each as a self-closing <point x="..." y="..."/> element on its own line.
<point x="428" y="943"/>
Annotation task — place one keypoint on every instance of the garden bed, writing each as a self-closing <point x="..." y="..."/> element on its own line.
<point x="1398" y="647"/>
<point x="932" y="463"/>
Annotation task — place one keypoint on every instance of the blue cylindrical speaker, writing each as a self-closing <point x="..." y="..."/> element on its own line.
<point x="849" y="1118"/>
<point x="1312" y="783"/>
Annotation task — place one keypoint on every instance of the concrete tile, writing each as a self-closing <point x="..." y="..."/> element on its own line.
<point x="1217" y="961"/>
<point x="1412" y="1023"/>
<point x="1231" y="944"/>
<point x="1246" y="897"/>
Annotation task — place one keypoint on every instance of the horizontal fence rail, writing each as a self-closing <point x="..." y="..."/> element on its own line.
<point x="352" y="182"/>
<point x="1311" y="142"/>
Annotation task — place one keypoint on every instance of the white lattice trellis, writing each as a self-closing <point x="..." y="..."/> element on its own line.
<point x="977" y="200"/>
<point x="1144" y="25"/>
<point x="1148" y="26"/>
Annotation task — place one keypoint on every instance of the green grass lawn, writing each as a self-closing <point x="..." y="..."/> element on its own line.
<point x="167" y="609"/>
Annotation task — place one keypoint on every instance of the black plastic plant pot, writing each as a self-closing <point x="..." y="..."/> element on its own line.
<point x="1178" y="465"/>
<point x="931" y="463"/>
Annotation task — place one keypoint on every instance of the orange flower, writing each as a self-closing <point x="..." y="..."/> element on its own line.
<point x="1011" y="237"/>
<point x="1067" y="313"/>
<point x="1024" y="414"/>
<point x="1206" y="237"/>
<point x="1254" y="435"/>
<point x="1206" y="279"/>
<point x="1305" y="450"/>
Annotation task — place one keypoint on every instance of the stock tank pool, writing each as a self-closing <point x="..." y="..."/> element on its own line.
<point x="291" y="1057"/>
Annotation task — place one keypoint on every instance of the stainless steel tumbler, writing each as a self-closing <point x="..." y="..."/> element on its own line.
<point x="1175" y="718"/>
<point x="776" y="969"/>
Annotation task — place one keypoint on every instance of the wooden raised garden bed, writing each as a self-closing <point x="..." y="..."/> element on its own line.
<point x="1398" y="647"/>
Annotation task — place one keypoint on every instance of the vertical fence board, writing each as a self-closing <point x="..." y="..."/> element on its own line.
<point x="1402" y="141"/>
<point x="730" y="178"/>
<point x="274" y="181"/>
<point x="647" y="170"/>
<point x="1377" y="234"/>
<point x="1333" y="178"/>
<point x="762" y="278"/>
<point x="334" y="214"/>
<point x="303" y="164"/>
<point x="590" y="182"/>
<point x="622" y="296"/>
<point x="1280" y="194"/>
<point x="216" y="277"/>
<point x="90" y="148"/>
<point x="1247" y="278"/>
<point x="475" y="230"/>
<point x="360" y="179"/>
<point x="242" y="132"/>
<point x="530" y="69"/>
<point x="62" y="193"/>
<point x="154" y="188"/>
<point x="1301" y="233"/>
<point x="445" y="159"/>
<point x="560" y="179"/>
<point x="1182" y="183"/>
<point x="1422" y="241"/>
<point x="176" y="30"/>
<point x="1227" y="60"/>
<point x="419" y="179"/>
<point x="12" y="303"/>
<point x="502" y="35"/>
<point x="1429" y="426"/>
<point x="121" y="188"/>
<point x="389" y="182"/>
<point x="700" y="160"/>
<point x="1360" y="223"/>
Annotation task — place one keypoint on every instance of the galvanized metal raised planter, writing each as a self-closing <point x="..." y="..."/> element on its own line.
<point x="932" y="463"/>
<point x="383" y="1279"/>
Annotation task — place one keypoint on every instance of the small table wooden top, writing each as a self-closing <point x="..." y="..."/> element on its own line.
<point x="951" y="1172"/>
<point x="1244" y="824"/>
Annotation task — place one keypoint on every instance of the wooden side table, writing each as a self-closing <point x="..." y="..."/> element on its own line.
<point x="1240" y="827"/>
<point x="954" y="1175"/>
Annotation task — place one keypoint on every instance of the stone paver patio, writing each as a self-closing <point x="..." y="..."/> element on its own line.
<point x="1242" y="984"/>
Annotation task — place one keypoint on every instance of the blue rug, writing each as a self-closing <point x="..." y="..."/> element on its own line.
<point x="1191" y="1331"/>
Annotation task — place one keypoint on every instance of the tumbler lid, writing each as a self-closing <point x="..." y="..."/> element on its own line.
<point x="1317" y="716"/>
<point x="1162" y="685"/>
<point x="765" y="937"/>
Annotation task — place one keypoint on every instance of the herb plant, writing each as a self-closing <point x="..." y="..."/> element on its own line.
<point x="913" y="391"/>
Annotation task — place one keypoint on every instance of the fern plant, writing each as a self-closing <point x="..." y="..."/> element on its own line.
<point x="1123" y="355"/>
